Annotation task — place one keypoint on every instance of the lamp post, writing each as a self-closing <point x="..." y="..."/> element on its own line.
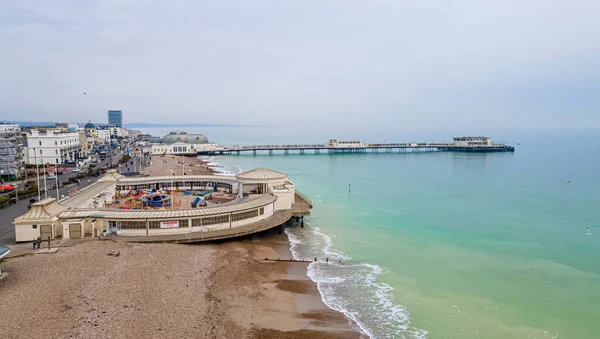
<point x="56" y="177"/>
<point x="37" y="170"/>
<point x="172" y="191"/>
<point x="45" y="185"/>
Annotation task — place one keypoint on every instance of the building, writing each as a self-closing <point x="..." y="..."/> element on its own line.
<point x="57" y="127"/>
<point x="104" y="134"/>
<point x="50" y="147"/>
<point x="180" y="136"/>
<point x="181" y="148"/>
<point x="84" y="149"/>
<point x="12" y="164"/>
<point x="473" y="141"/>
<point x="90" y="129"/>
<point x="182" y="143"/>
<point x="262" y="199"/>
<point x="115" y="118"/>
<point x="335" y="143"/>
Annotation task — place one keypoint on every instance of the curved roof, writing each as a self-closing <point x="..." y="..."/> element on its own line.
<point x="180" y="136"/>
<point x="113" y="213"/>
<point x="262" y="174"/>
<point x="90" y="125"/>
<point x="111" y="175"/>
<point x="42" y="210"/>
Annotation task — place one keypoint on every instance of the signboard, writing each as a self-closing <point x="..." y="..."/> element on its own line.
<point x="169" y="224"/>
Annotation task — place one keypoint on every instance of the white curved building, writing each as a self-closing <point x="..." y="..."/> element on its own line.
<point x="265" y="199"/>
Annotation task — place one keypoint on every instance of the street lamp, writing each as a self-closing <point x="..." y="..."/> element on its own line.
<point x="16" y="186"/>
<point x="37" y="170"/>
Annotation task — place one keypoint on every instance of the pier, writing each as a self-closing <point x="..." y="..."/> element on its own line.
<point x="460" y="144"/>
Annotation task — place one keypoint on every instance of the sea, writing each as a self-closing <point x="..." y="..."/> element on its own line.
<point x="445" y="245"/>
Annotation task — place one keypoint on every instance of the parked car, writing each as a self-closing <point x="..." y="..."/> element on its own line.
<point x="52" y="176"/>
<point x="6" y="188"/>
<point x="76" y="170"/>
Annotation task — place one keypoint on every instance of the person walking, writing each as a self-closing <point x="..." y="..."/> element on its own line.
<point x="34" y="243"/>
<point x="39" y="242"/>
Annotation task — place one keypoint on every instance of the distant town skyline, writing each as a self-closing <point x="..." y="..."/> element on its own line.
<point x="386" y="65"/>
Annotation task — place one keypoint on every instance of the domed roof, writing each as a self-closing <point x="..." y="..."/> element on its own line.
<point x="262" y="174"/>
<point x="90" y="125"/>
<point x="180" y="136"/>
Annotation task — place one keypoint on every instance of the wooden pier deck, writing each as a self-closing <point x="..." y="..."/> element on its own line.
<point x="367" y="148"/>
<point x="302" y="205"/>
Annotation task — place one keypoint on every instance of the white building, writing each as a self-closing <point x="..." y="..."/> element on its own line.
<point x="335" y="143"/>
<point x="473" y="141"/>
<point x="50" y="147"/>
<point x="180" y="148"/>
<point x="104" y="134"/>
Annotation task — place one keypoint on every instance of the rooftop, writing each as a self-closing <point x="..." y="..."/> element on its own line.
<point x="43" y="210"/>
<point x="262" y="174"/>
<point x="248" y="203"/>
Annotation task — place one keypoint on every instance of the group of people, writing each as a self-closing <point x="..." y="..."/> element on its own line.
<point x="37" y="242"/>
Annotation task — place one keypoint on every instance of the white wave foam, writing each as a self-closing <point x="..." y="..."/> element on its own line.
<point x="352" y="288"/>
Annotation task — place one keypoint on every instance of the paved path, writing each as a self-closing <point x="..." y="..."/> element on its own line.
<point x="7" y="215"/>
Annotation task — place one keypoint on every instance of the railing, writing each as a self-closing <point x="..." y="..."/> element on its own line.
<point x="304" y="197"/>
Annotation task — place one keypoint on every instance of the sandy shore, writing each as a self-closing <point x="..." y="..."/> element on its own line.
<point x="162" y="165"/>
<point x="165" y="291"/>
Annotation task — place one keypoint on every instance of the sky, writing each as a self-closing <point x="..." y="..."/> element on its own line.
<point x="385" y="64"/>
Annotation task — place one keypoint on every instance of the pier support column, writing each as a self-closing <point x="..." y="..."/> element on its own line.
<point x="254" y="152"/>
<point x="317" y="151"/>
<point x="301" y="151"/>
<point x="302" y="222"/>
<point x="237" y="152"/>
<point x="286" y="152"/>
<point x="270" y="152"/>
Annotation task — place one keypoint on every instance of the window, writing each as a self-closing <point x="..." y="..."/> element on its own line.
<point x="40" y="142"/>
<point x="56" y="151"/>
<point x="262" y="210"/>
<point x="34" y="227"/>
<point x="214" y="220"/>
<point x="41" y="152"/>
<point x="245" y="215"/>
<point x="57" y="161"/>
<point x="133" y="225"/>
<point x="56" y="142"/>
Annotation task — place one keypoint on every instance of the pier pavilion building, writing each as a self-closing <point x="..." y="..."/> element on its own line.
<point x="182" y="143"/>
<point x="264" y="199"/>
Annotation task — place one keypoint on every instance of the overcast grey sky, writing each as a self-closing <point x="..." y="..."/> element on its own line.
<point x="408" y="63"/>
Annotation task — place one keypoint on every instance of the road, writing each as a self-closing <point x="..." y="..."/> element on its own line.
<point x="7" y="215"/>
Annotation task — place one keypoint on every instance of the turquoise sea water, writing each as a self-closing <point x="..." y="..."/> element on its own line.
<point x="454" y="245"/>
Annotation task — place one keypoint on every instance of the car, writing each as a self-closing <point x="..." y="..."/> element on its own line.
<point x="76" y="170"/>
<point x="51" y="176"/>
<point x="6" y="188"/>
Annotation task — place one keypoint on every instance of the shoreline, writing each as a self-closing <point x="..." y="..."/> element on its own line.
<point x="289" y="302"/>
<point x="219" y="290"/>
